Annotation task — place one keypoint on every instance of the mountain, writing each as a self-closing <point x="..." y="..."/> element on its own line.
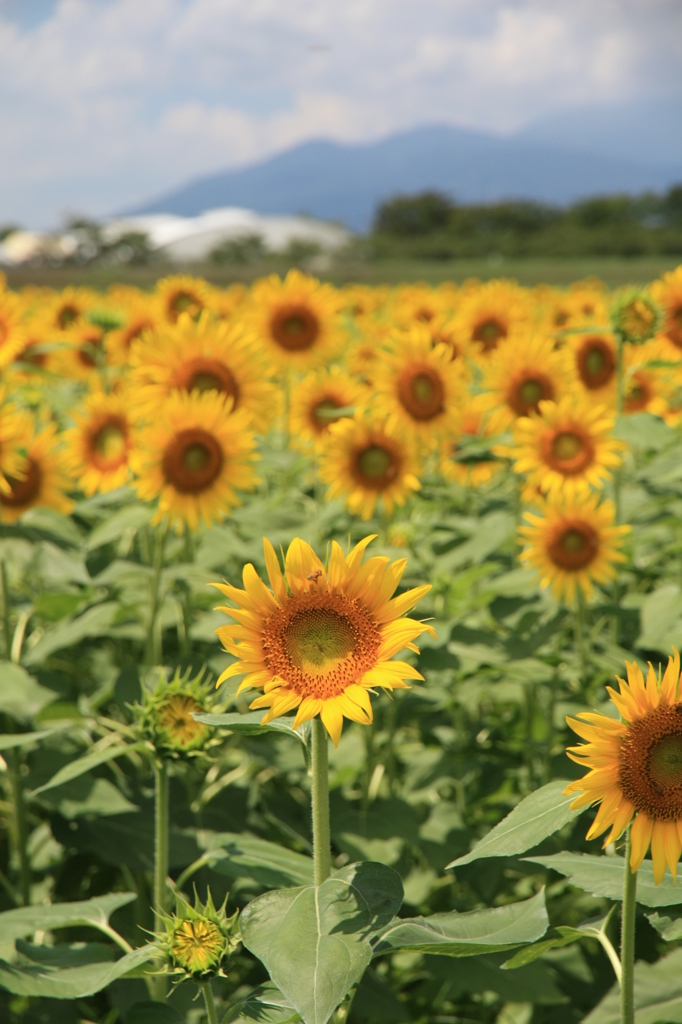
<point x="345" y="183"/>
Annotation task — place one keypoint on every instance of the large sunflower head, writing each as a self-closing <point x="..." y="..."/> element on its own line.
<point x="321" y="637"/>
<point x="99" y="445"/>
<point x="595" y="356"/>
<point x="573" y="544"/>
<point x="566" y="448"/>
<point x="418" y="386"/>
<point x="194" y="458"/>
<point x="367" y="459"/>
<point x="43" y="479"/>
<point x="320" y="399"/>
<point x="668" y="294"/>
<point x="634" y="766"/>
<point x="203" y="356"/>
<point x="525" y="371"/>
<point x="298" y="319"/>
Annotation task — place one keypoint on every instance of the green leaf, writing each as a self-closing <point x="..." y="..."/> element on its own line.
<point x="20" y="695"/>
<point x="126" y="520"/>
<point x="242" y="856"/>
<point x="93" y="622"/>
<point x="249" y="724"/>
<point x="68" y="971"/>
<point x="540" y="815"/>
<point x="264" y="1004"/>
<point x="20" y="739"/>
<point x="660" y="615"/>
<point x="84" y="764"/>
<point x="658" y="995"/>
<point x="479" y="931"/>
<point x="537" y="949"/>
<point x="95" y="912"/>
<point x="668" y="926"/>
<point x="314" y="940"/>
<point x="603" y="876"/>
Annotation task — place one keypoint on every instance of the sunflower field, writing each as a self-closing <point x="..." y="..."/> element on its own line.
<point x="313" y="603"/>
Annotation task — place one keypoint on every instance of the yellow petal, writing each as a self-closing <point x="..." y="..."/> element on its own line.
<point x="354" y="557"/>
<point x="658" y="850"/>
<point x="671" y="679"/>
<point x="640" y="834"/>
<point x="332" y="719"/>
<point x="307" y="709"/>
<point x="274" y="572"/>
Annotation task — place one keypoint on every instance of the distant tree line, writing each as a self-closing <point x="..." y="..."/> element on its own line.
<point x="431" y="225"/>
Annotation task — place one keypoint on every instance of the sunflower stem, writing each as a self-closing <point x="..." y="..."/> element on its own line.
<point x="154" y="635"/>
<point x="320" y="801"/>
<point x="580" y="634"/>
<point x="627" y="940"/>
<point x="160" y="861"/>
<point x="20" y="825"/>
<point x="6" y="627"/>
<point x="209" y="1001"/>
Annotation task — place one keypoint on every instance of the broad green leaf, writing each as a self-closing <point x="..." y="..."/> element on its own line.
<point x="85" y="764"/>
<point x="593" y="929"/>
<point x="126" y="520"/>
<point x="243" y="856"/>
<point x="249" y="724"/>
<point x="264" y="1004"/>
<point x="538" y="816"/>
<point x="68" y="972"/>
<point x="314" y="940"/>
<point x="478" y="931"/>
<point x="603" y="876"/>
<point x="95" y="912"/>
<point x="93" y="622"/>
<point x="658" y="995"/>
<point x="20" y="695"/>
<point x="668" y="926"/>
<point x="660" y="615"/>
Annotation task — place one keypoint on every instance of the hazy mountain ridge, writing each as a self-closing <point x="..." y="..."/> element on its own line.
<point x="333" y="181"/>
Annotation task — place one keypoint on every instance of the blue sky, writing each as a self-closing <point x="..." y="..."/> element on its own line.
<point x="104" y="103"/>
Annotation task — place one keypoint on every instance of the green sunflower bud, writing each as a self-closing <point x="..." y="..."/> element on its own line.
<point x="166" y="716"/>
<point x="635" y="316"/>
<point x="199" y="939"/>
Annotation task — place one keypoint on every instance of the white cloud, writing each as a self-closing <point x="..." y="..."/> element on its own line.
<point x="108" y="101"/>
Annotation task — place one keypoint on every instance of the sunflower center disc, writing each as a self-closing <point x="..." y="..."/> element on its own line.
<point x="294" y="328"/>
<point x="324" y="413"/>
<point x="596" y="363"/>
<point x="567" y="445"/>
<point x="67" y="316"/>
<point x="568" y="452"/>
<point x="638" y="394"/>
<point x="421" y="393"/>
<point x="489" y="332"/>
<point x="109" y="444"/>
<point x="316" y="641"/>
<point x="320" y="643"/>
<point x="176" y="717"/>
<point x="528" y="392"/>
<point x="674" y="326"/>
<point x="196" y="945"/>
<point x="650" y="763"/>
<point x="23" y="491"/>
<point x="208" y="375"/>
<point x="192" y="461"/>
<point x="574" y="547"/>
<point x="376" y="466"/>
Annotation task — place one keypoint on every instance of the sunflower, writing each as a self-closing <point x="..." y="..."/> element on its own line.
<point x="668" y="294"/>
<point x="224" y="303"/>
<point x="362" y="302"/>
<point x="68" y="308"/>
<point x="99" y="445"/>
<point x="636" y="316"/>
<point x="37" y="349"/>
<point x="566" y="448"/>
<point x="203" y="355"/>
<point x="44" y="479"/>
<point x="454" y="465"/>
<point x="11" y="327"/>
<point x="364" y="459"/>
<point x="582" y="305"/>
<point x="525" y="372"/>
<point x="15" y="429"/>
<point x="490" y="313"/>
<point x="443" y="331"/>
<point x="635" y="766"/>
<point x="315" y="402"/>
<point x="181" y="294"/>
<point x="417" y="386"/>
<point x="573" y="544"/>
<point x="82" y="353"/>
<point x="298" y="319"/>
<point x="595" y="357"/>
<point x="420" y="304"/>
<point x="194" y="457"/>
<point x="647" y="387"/>
<point x="323" y="636"/>
<point x="142" y="315"/>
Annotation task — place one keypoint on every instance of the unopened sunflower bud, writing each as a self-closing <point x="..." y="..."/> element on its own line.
<point x="166" y="716"/>
<point x="635" y="316"/>
<point x="199" y="939"/>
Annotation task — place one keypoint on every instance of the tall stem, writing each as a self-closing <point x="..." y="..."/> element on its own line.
<point x="618" y="472"/>
<point x="160" y="986"/>
<point x="209" y="1001"/>
<point x="580" y="634"/>
<point x="320" y="793"/>
<point x="627" y="941"/>
<point x="6" y="629"/>
<point x="20" y="825"/>
<point x="154" y="638"/>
